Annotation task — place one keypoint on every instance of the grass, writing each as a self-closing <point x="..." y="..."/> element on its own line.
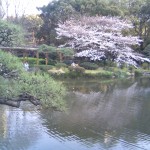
<point x="99" y="73"/>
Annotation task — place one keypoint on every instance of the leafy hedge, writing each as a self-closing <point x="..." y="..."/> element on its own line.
<point x="33" y="61"/>
<point x="89" y="65"/>
<point x="44" y="68"/>
<point x="60" y="65"/>
<point x="78" y="69"/>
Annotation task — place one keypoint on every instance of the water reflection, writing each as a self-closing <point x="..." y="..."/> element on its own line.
<point x="17" y="130"/>
<point x="101" y="115"/>
<point x="106" y="115"/>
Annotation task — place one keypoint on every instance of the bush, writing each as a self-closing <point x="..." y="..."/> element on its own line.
<point x="120" y="74"/>
<point x="89" y="65"/>
<point x="44" y="67"/>
<point x="11" y="34"/>
<point x="78" y="69"/>
<point x="51" y="62"/>
<point x="60" y="65"/>
<point x="112" y="69"/>
<point x="40" y="86"/>
<point x="145" y="65"/>
<point x="110" y="63"/>
<point x="8" y="63"/>
<point x="123" y="65"/>
<point x="33" y="61"/>
<point x="138" y="73"/>
<point x="102" y="75"/>
<point x="131" y="69"/>
<point x="67" y="62"/>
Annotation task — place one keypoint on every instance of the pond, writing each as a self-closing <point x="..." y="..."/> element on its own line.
<point x="112" y="115"/>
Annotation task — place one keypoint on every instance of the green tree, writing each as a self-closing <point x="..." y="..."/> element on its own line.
<point x="11" y="34"/>
<point x="17" y="85"/>
<point x="51" y="50"/>
<point x="62" y="10"/>
<point x="31" y="25"/>
<point x="51" y="14"/>
<point x="140" y="14"/>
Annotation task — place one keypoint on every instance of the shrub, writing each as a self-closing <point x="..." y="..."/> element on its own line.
<point x="145" y="65"/>
<point x="138" y="73"/>
<point x="32" y="60"/>
<point x="40" y="86"/>
<point x="123" y="65"/>
<point x="89" y="65"/>
<point x="11" y="34"/>
<point x="67" y="62"/>
<point x="60" y="65"/>
<point x="112" y="69"/>
<point x="78" y="69"/>
<point x="8" y="63"/>
<point x="110" y="63"/>
<point x="105" y="75"/>
<point x="44" y="67"/>
<point x="51" y="62"/>
<point x="131" y="69"/>
<point x="120" y="74"/>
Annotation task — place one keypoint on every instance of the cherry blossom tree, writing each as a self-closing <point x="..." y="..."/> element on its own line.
<point x="101" y="38"/>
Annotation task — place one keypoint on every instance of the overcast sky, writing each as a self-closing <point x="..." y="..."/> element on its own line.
<point x="28" y="5"/>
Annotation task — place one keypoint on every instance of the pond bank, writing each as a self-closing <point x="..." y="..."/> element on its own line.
<point x="109" y="73"/>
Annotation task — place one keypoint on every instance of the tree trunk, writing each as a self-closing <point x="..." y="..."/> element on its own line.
<point x="23" y="97"/>
<point x="46" y="58"/>
<point x="37" y="58"/>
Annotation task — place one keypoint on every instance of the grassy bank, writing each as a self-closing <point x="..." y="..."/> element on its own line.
<point x="100" y="73"/>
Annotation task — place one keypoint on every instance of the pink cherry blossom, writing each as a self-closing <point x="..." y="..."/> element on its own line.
<point x="94" y="37"/>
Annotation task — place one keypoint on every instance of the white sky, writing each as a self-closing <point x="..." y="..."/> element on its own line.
<point x="29" y="6"/>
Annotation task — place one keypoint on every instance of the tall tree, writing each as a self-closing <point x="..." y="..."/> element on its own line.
<point x="11" y="34"/>
<point x="31" y="25"/>
<point x="51" y="15"/>
<point x="139" y="14"/>
<point x="62" y="10"/>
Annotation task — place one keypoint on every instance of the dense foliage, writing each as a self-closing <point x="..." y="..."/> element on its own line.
<point x="62" y="10"/>
<point x="135" y="11"/>
<point x="14" y="81"/>
<point x="10" y="34"/>
<point x="89" y="65"/>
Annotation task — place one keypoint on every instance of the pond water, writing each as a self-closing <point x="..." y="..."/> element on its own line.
<point x="100" y="115"/>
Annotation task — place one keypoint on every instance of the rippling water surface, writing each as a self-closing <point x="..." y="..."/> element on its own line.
<point x="100" y="115"/>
